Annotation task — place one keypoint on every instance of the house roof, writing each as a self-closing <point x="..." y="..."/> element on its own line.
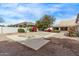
<point x="27" y="23"/>
<point x="66" y="23"/>
<point x="30" y="23"/>
<point x="23" y="23"/>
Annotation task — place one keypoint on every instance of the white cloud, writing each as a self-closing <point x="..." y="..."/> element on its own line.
<point x="36" y="12"/>
<point x="9" y="5"/>
<point x="55" y="8"/>
<point x="21" y="9"/>
<point x="29" y="12"/>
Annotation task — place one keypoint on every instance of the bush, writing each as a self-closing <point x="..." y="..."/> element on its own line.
<point x="21" y="30"/>
<point x="71" y="31"/>
<point x="33" y="29"/>
<point x="72" y="34"/>
<point x="77" y="34"/>
<point x="56" y="31"/>
<point x="30" y="29"/>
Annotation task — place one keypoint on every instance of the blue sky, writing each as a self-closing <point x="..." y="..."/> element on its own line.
<point x="31" y="12"/>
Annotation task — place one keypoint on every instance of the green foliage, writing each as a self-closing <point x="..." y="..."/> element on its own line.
<point x="30" y="29"/>
<point x="45" y="22"/>
<point x="20" y="26"/>
<point x="39" y="24"/>
<point x="77" y="33"/>
<point x="56" y="31"/>
<point x="21" y="30"/>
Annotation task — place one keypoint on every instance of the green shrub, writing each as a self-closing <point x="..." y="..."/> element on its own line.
<point x="56" y="31"/>
<point x="30" y="29"/>
<point x="77" y="34"/>
<point x="21" y="30"/>
<point x="72" y="34"/>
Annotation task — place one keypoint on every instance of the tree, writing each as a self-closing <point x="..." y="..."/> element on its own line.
<point x="45" y="22"/>
<point x="39" y="24"/>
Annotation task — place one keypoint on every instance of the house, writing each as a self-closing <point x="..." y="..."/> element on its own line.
<point x="77" y="22"/>
<point x="66" y="24"/>
<point x="23" y="24"/>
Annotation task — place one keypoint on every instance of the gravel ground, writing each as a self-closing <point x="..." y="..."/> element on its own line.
<point x="56" y="47"/>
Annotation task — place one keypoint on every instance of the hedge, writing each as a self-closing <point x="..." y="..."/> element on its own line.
<point x="21" y="30"/>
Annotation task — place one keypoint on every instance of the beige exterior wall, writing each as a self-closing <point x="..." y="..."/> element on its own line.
<point x="78" y="28"/>
<point x="68" y="28"/>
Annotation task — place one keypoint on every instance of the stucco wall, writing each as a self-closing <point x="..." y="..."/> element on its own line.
<point x="9" y="29"/>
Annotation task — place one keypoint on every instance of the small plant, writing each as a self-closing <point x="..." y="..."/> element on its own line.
<point x="21" y="30"/>
<point x="56" y="31"/>
<point x="77" y="33"/>
<point x="71" y="31"/>
<point x="34" y="29"/>
<point x="30" y="29"/>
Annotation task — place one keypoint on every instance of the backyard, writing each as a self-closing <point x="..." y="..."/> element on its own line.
<point x="39" y="30"/>
<point x="56" y="47"/>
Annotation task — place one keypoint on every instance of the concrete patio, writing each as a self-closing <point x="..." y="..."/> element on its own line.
<point x="55" y="47"/>
<point x="34" y="43"/>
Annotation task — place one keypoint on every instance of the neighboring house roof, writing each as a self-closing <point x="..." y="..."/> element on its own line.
<point x="30" y="23"/>
<point x="23" y="23"/>
<point x="26" y="23"/>
<point x="66" y="23"/>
